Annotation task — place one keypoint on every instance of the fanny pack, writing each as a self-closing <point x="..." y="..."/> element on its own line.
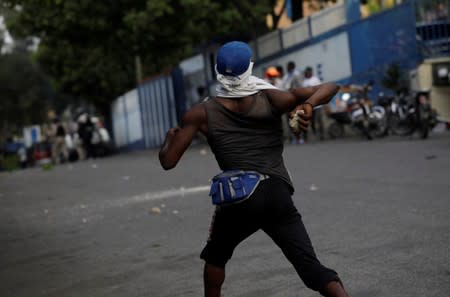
<point x="234" y="186"/>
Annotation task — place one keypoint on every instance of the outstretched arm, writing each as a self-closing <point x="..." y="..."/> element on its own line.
<point x="317" y="95"/>
<point x="299" y="102"/>
<point x="285" y="101"/>
<point x="178" y="139"/>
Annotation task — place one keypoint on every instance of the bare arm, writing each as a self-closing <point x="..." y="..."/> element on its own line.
<point x="178" y="139"/>
<point x="286" y="101"/>
<point x="321" y="94"/>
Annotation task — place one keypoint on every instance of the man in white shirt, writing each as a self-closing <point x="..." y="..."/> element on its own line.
<point x="292" y="79"/>
<point x="310" y="80"/>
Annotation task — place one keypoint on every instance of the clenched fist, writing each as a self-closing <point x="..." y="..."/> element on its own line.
<point x="300" y="117"/>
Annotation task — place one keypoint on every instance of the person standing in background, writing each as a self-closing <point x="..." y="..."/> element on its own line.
<point x="292" y="79"/>
<point x="310" y="80"/>
<point x="273" y="76"/>
<point x="59" y="148"/>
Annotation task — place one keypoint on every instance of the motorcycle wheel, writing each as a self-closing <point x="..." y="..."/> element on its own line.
<point x="400" y="127"/>
<point x="335" y="130"/>
<point x="380" y="130"/>
<point x="379" y="127"/>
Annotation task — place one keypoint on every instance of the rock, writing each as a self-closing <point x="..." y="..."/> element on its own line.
<point x="155" y="210"/>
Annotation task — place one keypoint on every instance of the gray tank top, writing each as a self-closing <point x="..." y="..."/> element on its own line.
<point x="247" y="141"/>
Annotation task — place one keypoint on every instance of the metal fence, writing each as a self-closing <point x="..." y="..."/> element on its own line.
<point x="158" y="110"/>
<point x="126" y="120"/>
<point x="433" y="27"/>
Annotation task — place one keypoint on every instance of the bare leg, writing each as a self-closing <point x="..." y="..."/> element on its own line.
<point x="334" y="289"/>
<point x="213" y="278"/>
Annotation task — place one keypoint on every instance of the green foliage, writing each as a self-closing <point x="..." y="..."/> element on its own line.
<point x="374" y="6"/>
<point x="89" y="47"/>
<point x="23" y="93"/>
<point x="394" y="77"/>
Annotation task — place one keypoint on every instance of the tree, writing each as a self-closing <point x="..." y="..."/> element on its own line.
<point x="394" y="77"/>
<point x="24" y="93"/>
<point x="89" y="47"/>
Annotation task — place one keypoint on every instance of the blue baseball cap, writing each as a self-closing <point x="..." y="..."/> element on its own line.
<point x="233" y="58"/>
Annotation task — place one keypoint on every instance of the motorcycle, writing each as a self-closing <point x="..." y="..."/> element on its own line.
<point x="410" y="112"/>
<point x="360" y="115"/>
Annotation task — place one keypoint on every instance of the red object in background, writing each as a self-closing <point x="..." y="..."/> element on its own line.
<point x="41" y="151"/>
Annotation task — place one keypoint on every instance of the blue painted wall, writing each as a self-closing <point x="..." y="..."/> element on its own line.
<point x="388" y="37"/>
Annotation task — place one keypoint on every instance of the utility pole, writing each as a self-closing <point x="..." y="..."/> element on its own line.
<point x="138" y="66"/>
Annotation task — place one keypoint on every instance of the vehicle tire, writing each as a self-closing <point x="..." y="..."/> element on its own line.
<point x="379" y="127"/>
<point x="380" y="130"/>
<point x="400" y="127"/>
<point x="335" y="130"/>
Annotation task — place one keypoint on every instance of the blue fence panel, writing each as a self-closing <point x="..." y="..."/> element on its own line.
<point x="133" y="120"/>
<point x="127" y="122"/>
<point x="389" y="37"/>
<point x="434" y="38"/>
<point x="158" y="106"/>
<point x="119" y="122"/>
<point x="177" y="90"/>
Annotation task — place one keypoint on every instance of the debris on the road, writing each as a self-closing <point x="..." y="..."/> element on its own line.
<point x="94" y="166"/>
<point x="155" y="245"/>
<point x="83" y="206"/>
<point x="175" y="211"/>
<point x="46" y="211"/>
<point x="313" y="188"/>
<point x="430" y="157"/>
<point x="203" y="152"/>
<point x="156" y="210"/>
<point x="47" y="166"/>
<point x="84" y="220"/>
<point x="163" y="205"/>
<point x="126" y="177"/>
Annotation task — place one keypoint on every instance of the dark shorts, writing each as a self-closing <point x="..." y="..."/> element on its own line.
<point x="271" y="209"/>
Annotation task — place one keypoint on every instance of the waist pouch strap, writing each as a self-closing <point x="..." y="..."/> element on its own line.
<point x="234" y="186"/>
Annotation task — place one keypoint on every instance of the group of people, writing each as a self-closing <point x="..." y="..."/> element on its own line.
<point x="76" y="140"/>
<point x="294" y="78"/>
<point x="58" y="141"/>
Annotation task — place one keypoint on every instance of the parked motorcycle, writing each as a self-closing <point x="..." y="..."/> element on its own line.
<point x="359" y="115"/>
<point x="410" y="112"/>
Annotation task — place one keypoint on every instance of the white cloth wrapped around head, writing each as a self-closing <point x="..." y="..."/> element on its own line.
<point x="234" y="72"/>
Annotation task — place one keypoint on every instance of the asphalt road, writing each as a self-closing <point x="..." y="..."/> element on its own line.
<point x="377" y="212"/>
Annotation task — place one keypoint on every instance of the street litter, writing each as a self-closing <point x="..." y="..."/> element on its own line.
<point x="126" y="177"/>
<point x="156" y="210"/>
<point x="94" y="166"/>
<point x="313" y="187"/>
<point x="175" y="211"/>
<point x="203" y="152"/>
<point x="163" y="205"/>
<point x="84" y="220"/>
